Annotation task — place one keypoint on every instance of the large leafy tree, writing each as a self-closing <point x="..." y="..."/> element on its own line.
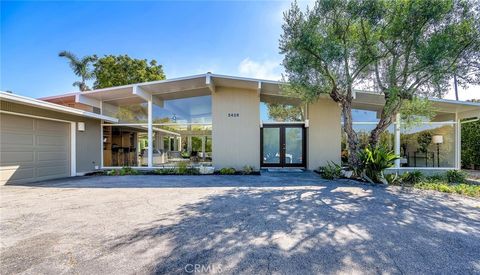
<point x="81" y="67"/>
<point x="404" y="48"/>
<point x="112" y="70"/>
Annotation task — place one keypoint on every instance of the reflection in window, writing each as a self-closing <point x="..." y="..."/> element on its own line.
<point x="428" y="145"/>
<point x="276" y="112"/>
<point x="386" y="140"/>
<point x="271" y="145"/>
<point x="185" y="110"/>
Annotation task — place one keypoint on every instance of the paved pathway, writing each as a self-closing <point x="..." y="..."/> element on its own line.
<point x="274" y="223"/>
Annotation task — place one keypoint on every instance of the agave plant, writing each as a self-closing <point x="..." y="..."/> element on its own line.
<point x="374" y="160"/>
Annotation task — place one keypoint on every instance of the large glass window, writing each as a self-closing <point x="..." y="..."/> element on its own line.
<point x="281" y="112"/>
<point x="428" y="145"/>
<point x="423" y="144"/>
<point x="363" y="130"/>
<point x="134" y="113"/>
<point x="124" y="145"/>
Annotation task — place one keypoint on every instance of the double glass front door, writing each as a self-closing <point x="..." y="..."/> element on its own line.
<point x="283" y="145"/>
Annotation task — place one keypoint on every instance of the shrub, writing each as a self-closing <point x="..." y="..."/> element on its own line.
<point x="165" y="171"/>
<point x="182" y="168"/>
<point x="331" y="171"/>
<point x="374" y="161"/>
<point x="412" y="177"/>
<point x="393" y="179"/>
<point x="455" y="176"/>
<point x="227" y="171"/>
<point x="247" y="169"/>
<point x="124" y="171"/>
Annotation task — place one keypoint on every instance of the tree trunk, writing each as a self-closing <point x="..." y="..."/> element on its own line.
<point x="386" y="119"/>
<point x="352" y="138"/>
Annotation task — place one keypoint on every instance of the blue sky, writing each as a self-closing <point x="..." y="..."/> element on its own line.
<point x="239" y="38"/>
<point x="224" y="37"/>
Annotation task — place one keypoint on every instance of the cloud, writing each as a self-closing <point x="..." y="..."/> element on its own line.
<point x="267" y="69"/>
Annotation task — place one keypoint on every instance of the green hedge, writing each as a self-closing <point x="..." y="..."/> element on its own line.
<point x="471" y="145"/>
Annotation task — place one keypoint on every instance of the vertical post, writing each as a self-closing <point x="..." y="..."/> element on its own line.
<point x="396" y="143"/>
<point x="101" y="144"/>
<point x="203" y="147"/>
<point x="189" y="143"/>
<point x="458" y="143"/>
<point x="150" y="133"/>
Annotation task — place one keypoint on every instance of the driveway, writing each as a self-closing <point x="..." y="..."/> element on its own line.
<point x="275" y="223"/>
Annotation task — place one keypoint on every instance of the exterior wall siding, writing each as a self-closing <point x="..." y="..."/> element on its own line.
<point x="235" y="139"/>
<point x="323" y="133"/>
<point x="88" y="147"/>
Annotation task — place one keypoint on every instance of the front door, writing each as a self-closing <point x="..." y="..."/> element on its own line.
<point x="282" y="145"/>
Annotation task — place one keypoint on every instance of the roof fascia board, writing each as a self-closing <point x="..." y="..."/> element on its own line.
<point x="52" y="106"/>
<point x="79" y="98"/>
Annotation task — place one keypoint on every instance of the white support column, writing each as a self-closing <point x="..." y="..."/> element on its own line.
<point x="203" y="147"/>
<point x="396" y="143"/>
<point x="458" y="143"/>
<point x="189" y="143"/>
<point x="150" y="133"/>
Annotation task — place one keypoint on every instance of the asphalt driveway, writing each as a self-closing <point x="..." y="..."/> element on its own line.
<point x="274" y="223"/>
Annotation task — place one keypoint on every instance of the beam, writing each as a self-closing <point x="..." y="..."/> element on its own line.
<point x="209" y="82"/>
<point x="138" y="91"/>
<point x="259" y="88"/>
<point x="79" y="98"/>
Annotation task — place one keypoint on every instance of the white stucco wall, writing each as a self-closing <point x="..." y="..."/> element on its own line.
<point x="323" y="133"/>
<point x="235" y="139"/>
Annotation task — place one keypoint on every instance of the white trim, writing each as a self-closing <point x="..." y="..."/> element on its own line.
<point x="150" y="133"/>
<point x="73" y="136"/>
<point x="101" y="144"/>
<point x="209" y="82"/>
<point x="34" y="116"/>
<point x="397" y="142"/>
<point x="422" y="168"/>
<point x="280" y="122"/>
<point x="458" y="143"/>
<point x="52" y="106"/>
<point x="73" y="149"/>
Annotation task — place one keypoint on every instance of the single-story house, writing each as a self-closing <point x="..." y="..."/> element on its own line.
<point x="206" y="120"/>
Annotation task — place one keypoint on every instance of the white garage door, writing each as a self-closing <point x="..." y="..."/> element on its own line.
<point x="33" y="149"/>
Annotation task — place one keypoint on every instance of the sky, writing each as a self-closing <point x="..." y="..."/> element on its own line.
<point x="187" y="38"/>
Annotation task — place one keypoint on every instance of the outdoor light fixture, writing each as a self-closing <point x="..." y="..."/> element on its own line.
<point x="438" y="139"/>
<point x="81" y="126"/>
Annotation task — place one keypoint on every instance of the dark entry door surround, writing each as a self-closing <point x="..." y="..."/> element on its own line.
<point x="283" y="145"/>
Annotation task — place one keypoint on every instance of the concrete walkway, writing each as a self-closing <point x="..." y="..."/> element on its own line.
<point x="274" y="223"/>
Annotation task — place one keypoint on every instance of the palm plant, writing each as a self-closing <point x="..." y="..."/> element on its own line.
<point x="81" y="67"/>
<point x="374" y="161"/>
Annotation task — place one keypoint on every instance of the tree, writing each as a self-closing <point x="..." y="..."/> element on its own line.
<point x="285" y="112"/>
<point x="407" y="49"/>
<point x="81" y="67"/>
<point x="112" y="70"/>
<point x="423" y="45"/>
<point x="325" y="53"/>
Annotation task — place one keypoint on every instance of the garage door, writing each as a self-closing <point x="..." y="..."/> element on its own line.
<point x="33" y="149"/>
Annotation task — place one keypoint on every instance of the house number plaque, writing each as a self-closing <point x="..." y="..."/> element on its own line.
<point x="233" y="114"/>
